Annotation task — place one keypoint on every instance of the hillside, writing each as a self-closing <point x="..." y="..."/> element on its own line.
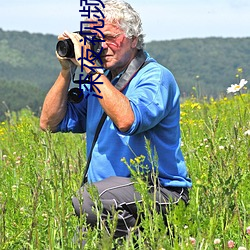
<point x="210" y="63"/>
<point x="28" y="66"/>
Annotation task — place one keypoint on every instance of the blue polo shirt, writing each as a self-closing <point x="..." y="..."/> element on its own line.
<point x="154" y="97"/>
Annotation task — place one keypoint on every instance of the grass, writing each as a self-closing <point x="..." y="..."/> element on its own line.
<point x="40" y="172"/>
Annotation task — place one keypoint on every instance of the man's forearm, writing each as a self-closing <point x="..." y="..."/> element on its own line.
<point x="115" y="104"/>
<point x="55" y="103"/>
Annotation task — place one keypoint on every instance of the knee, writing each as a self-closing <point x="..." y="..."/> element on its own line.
<point x="84" y="205"/>
<point x="77" y="206"/>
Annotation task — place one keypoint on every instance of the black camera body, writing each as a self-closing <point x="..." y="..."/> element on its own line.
<point x="65" y="48"/>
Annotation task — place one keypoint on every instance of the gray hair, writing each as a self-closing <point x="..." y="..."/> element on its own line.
<point x="125" y="17"/>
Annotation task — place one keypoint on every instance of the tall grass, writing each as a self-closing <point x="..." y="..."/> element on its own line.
<point x="40" y="172"/>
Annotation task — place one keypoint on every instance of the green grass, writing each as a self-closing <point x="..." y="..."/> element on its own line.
<point x="40" y="172"/>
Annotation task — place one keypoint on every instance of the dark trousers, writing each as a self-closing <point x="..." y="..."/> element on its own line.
<point x="119" y="194"/>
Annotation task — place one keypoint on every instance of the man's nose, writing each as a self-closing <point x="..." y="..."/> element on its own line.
<point x="104" y="45"/>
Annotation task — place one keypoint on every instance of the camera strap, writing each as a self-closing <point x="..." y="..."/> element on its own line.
<point x="136" y="64"/>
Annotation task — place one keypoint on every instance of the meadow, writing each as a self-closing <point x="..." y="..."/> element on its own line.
<point x="40" y="172"/>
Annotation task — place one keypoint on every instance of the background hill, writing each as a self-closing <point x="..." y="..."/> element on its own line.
<point x="28" y="66"/>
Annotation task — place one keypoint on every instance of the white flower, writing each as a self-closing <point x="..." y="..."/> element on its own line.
<point x="192" y="240"/>
<point x="247" y="133"/>
<point x="242" y="248"/>
<point x="221" y="147"/>
<point x="237" y="87"/>
<point x="248" y="230"/>
<point x="22" y="210"/>
<point x="217" y="241"/>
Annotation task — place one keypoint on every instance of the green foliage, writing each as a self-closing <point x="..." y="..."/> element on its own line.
<point x="28" y="68"/>
<point x="40" y="172"/>
<point x="208" y="62"/>
<point x="19" y="94"/>
<point x="202" y="67"/>
<point x="28" y="58"/>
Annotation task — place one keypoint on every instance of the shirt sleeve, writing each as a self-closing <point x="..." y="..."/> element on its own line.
<point x="154" y="96"/>
<point x="75" y="118"/>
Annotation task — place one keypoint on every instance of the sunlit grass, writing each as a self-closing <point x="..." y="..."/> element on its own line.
<point x="40" y="172"/>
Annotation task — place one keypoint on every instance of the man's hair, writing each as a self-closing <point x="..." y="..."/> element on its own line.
<point x="125" y="17"/>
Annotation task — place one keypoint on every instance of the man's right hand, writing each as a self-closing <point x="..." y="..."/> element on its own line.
<point x="66" y="63"/>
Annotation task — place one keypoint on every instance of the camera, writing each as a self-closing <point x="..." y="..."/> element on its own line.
<point x="65" y="48"/>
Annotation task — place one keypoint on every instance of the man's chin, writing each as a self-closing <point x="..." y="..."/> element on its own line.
<point x="107" y="65"/>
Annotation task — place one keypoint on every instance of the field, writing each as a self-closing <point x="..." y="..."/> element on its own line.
<point x="40" y="172"/>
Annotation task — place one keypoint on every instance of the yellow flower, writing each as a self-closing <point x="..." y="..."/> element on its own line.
<point x="240" y="70"/>
<point x="195" y="105"/>
<point x="132" y="162"/>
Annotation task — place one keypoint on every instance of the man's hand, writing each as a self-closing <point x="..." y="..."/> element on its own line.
<point x="79" y="47"/>
<point x="66" y="63"/>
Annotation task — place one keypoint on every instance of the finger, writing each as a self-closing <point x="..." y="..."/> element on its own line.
<point x="59" y="57"/>
<point x="67" y="59"/>
<point x="75" y="38"/>
<point x="63" y="36"/>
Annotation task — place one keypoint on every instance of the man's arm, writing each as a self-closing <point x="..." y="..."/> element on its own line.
<point x="55" y="103"/>
<point x="115" y="104"/>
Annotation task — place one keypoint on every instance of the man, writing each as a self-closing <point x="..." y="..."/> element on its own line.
<point x="141" y="100"/>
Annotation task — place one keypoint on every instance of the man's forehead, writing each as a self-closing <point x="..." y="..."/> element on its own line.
<point x="108" y="29"/>
<point x="105" y="25"/>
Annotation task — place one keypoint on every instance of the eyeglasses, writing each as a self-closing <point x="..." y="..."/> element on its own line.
<point x="112" y="39"/>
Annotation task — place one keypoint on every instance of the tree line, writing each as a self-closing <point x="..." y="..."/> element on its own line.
<point x="202" y="67"/>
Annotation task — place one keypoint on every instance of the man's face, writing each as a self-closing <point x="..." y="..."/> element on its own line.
<point x="118" y="50"/>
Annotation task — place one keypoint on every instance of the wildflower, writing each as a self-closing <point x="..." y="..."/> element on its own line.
<point x="240" y="70"/>
<point x="198" y="182"/>
<point x="14" y="188"/>
<point x="216" y="241"/>
<point x="248" y="230"/>
<point x="247" y="133"/>
<point x="221" y="147"/>
<point x="132" y="162"/>
<point x="195" y="106"/>
<point x="230" y="244"/>
<point x="45" y="216"/>
<point x="137" y="159"/>
<point x="192" y="240"/>
<point x="242" y="248"/>
<point x="237" y="87"/>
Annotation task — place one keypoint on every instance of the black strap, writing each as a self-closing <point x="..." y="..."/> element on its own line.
<point x="136" y="64"/>
<point x="97" y="132"/>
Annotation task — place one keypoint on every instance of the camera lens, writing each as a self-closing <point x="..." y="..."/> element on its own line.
<point x="75" y="95"/>
<point x="65" y="48"/>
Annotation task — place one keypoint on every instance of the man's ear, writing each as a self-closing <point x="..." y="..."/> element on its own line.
<point x="134" y="42"/>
